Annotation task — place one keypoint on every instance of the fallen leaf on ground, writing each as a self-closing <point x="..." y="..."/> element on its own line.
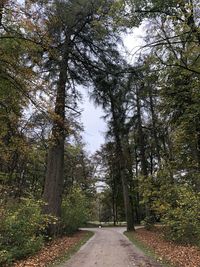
<point x="51" y="251"/>
<point x="178" y="255"/>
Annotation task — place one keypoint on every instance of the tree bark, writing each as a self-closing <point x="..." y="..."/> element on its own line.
<point x="144" y="164"/>
<point x="144" y="169"/>
<point x="122" y="168"/>
<point x="154" y="126"/>
<point x="53" y="186"/>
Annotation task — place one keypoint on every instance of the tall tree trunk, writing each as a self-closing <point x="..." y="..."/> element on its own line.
<point x="133" y="183"/>
<point x="136" y="183"/>
<point x="113" y="197"/>
<point x="168" y="149"/>
<point x="113" y="207"/>
<point x="144" y="165"/>
<point x="154" y="126"/>
<point x="197" y="150"/>
<point x="126" y="193"/>
<point x="144" y="169"/>
<point x="53" y="186"/>
<point x="122" y="168"/>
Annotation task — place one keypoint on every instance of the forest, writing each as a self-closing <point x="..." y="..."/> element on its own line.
<point x="149" y="165"/>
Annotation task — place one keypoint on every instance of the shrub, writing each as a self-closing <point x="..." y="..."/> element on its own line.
<point x="182" y="219"/>
<point x="20" y="230"/>
<point x="75" y="211"/>
<point x="148" y="222"/>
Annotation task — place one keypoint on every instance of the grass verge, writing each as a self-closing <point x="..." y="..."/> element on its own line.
<point x="70" y="252"/>
<point x="147" y="250"/>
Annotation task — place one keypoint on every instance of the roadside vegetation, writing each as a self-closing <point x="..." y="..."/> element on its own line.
<point x="57" y="251"/>
<point x="23" y="229"/>
<point x="154" y="244"/>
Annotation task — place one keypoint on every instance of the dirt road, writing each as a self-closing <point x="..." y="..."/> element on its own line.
<point x="109" y="248"/>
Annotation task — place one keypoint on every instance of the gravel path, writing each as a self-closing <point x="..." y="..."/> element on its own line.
<point x="109" y="248"/>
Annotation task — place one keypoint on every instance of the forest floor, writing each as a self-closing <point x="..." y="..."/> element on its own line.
<point x="176" y="255"/>
<point x="110" y="248"/>
<point x="56" y="251"/>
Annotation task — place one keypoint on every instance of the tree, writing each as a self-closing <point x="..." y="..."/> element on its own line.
<point x="75" y="31"/>
<point x="109" y="175"/>
<point x="17" y="79"/>
<point x="111" y="95"/>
